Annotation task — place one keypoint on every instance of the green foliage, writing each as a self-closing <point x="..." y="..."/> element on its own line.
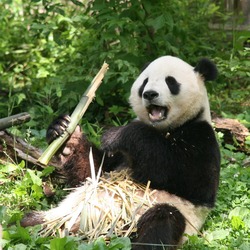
<point x="17" y="237"/>
<point x="22" y="186"/>
<point x="50" y="50"/>
<point x="234" y="79"/>
<point x="100" y="244"/>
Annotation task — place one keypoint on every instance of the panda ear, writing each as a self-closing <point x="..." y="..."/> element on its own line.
<point x="206" y="69"/>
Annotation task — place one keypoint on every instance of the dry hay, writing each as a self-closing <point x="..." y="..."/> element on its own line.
<point x="108" y="205"/>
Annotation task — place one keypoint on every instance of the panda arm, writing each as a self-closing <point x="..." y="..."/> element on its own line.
<point x="145" y="148"/>
<point x="74" y="154"/>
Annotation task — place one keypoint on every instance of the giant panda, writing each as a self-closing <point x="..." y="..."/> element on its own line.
<point x="171" y="143"/>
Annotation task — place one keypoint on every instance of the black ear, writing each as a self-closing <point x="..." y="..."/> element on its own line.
<point x="207" y="69"/>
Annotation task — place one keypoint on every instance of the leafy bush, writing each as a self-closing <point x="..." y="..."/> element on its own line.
<point x="61" y="47"/>
<point x="49" y="52"/>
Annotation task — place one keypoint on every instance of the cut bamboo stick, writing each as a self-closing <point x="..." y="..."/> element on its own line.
<point x="77" y="114"/>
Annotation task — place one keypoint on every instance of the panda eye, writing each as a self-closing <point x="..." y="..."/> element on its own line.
<point x="173" y="85"/>
<point x="142" y="87"/>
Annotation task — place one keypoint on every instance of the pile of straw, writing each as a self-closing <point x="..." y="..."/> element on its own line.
<point x="102" y="206"/>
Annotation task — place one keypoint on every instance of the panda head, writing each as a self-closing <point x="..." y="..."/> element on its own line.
<point x="170" y="92"/>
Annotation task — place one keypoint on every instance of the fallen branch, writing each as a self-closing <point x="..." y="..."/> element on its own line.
<point x="14" y="120"/>
<point x="234" y="132"/>
<point x="13" y="148"/>
<point x="75" y="116"/>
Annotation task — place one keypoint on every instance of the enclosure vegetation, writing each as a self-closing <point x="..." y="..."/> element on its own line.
<point x="50" y="50"/>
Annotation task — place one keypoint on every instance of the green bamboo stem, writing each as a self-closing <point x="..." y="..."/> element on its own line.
<point x="77" y="114"/>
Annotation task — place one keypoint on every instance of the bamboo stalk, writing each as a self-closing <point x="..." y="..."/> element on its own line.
<point x="77" y="114"/>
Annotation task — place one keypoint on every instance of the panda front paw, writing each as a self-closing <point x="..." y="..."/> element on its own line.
<point x="57" y="128"/>
<point x="111" y="139"/>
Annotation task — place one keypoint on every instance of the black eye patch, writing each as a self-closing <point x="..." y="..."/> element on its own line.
<point x="142" y="87"/>
<point x="173" y="85"/>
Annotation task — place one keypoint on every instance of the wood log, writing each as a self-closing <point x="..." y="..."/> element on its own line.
<point x="234" y="132"/>
<point x="14" y="120"/>
<point x="14" y="148"/>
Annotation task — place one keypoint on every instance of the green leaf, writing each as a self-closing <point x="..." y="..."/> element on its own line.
<point x="240" y="217"/>
<point x="244" y="246"/>
<point x="42" y="73"/>
<point x="58" y="243"/>
<point x="85" y="246"/>
<point x="9" y="167"/>
<point x="239" y="211"/>
<point x="22" y="164"/>
<point x="2" y="213"/>
<point x="219" y="234"/>
<point x="100" y="244"/>
<point x="48" y="170"/>
<point x="57" y="37"/>
<point x="157" y="23"/>
<point x="77" y="2"/>
<point x="66" y="243"/>
<point x="35" y="179"/>
<point x="22" y="233"/>
<point x="120" y="243"/>
<point x="20" y="98"/>
<point x="237" y="222"/>
<point x="37" y="191"/>
<point x="19" y="247"/>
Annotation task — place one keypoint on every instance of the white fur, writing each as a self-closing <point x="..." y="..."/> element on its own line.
<point x="183" y="106"/>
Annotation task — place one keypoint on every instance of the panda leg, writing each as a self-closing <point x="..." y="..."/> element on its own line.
<point x="161" y="227"/>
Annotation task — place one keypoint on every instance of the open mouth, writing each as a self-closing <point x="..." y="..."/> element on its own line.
<point x="157" y="113"/>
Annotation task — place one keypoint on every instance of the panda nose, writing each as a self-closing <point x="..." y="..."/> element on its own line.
<point x="150" y="95"/>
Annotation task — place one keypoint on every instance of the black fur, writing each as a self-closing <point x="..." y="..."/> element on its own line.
<point x="142" y="87"/>
<point x="186" y="162"/>
<point x="173" y="85"/>
<point x="207" y="69"/>
<point x="161" y="227"/>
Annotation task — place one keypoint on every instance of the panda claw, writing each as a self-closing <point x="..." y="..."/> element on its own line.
<point x="110" y="154"/>
<point x="65" y="124"/>
<point x="63" y="128"/>
<point x="56" y="133"/>
<point x="67" y="118"/>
